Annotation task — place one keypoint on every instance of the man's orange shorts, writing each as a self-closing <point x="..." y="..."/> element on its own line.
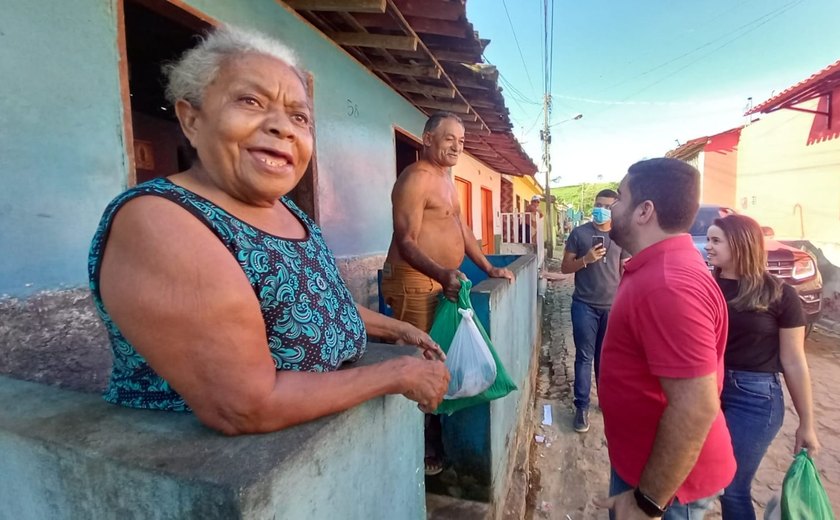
<point x="412" y="295"/>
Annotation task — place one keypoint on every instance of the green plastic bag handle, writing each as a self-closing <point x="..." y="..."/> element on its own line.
<point x="803" y="495"/>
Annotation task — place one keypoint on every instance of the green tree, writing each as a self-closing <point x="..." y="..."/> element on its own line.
<point x="582" y="196"/>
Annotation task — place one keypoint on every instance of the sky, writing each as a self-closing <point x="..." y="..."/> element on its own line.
<point x="645" y="74"/>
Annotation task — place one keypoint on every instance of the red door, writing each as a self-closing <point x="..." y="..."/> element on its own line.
<point x="464" y="189"/>
<point x="487" y="239"/>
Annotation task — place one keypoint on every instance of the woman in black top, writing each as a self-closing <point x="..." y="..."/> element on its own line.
<point x="766" y="337"/>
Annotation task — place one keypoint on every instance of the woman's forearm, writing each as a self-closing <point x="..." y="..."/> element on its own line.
<point x="797" y="375"/>
<point x="798" y="381"/>
<point x="379" y="325"/>
<point x="299" y="397"/>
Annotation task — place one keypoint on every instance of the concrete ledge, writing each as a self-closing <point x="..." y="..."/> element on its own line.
<point x="71" y="455"/>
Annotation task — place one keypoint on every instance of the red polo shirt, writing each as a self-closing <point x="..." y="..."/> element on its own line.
<point x="668" y="319"/>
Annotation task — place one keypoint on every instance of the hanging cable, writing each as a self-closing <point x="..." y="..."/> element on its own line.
<point x="515" y="39"/>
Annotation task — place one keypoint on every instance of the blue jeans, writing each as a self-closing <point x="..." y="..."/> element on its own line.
<point x="589" y="325"/>
<point x="754" y="408"/>
<point x="692" y="511"/>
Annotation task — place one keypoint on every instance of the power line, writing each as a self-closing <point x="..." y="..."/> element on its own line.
<point x="546" y="90"/>
<point x="551" y="46"/>
<point x="759" y="22"/>
<point x="537" y="120"/>
<point x="515" y="39"/>
<point x="517" y="93"/>
<point x="725" y="44"/>
<point x="772" y="14"/>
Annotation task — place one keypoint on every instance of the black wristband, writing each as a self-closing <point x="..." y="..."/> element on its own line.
<point x="648" y="505"/>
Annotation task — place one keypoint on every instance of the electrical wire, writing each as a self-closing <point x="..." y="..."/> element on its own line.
<point x="515" y="39"/>
<point x="756" y="24"/>
<point x="772" y="14"/>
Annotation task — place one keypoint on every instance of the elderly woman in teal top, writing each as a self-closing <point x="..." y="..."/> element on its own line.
<point x="218" y="293"/>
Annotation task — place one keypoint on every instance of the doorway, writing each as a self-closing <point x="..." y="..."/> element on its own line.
<point x="407" y="150"/>
<point x="150" y="34"/>
<point x="155" y="34"/>
<point x="487" y="228"/>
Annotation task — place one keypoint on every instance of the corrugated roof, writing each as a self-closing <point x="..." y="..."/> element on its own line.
<point x="428" y="51"/>
<point x="818" y="84"/>
<point x="692" y="147"/>
<point x="688" y="149"/>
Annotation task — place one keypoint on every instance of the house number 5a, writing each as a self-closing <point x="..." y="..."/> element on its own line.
<point x="352" y="109"/>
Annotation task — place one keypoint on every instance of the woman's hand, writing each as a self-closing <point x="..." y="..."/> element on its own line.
<point x="806" y="438"/>
<point x="423" y="381"/>
<point x="410" y="335"/>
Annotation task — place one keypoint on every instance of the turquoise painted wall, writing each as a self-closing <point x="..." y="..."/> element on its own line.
<point x="478" y="440"/>
<point x="68" y="455"/>
<point x="61" y="151"/>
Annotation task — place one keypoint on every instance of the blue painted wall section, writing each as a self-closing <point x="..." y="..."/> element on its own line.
<point x="71" y="455"/>
<point x="478" y="441"/>
<point x="61" y="150"/>
<point x="62" y="156"/>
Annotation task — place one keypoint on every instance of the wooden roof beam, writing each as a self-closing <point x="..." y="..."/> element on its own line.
<point x="457" y="56"/>
<point x="449" y="106"/>
<point x="427" y="90"/>
<point x="376" y="41"/>
<point x="415" y="71"/>
<point x="439" y="10"/>
<point x="407" y="27"/>
<point x="349" y="6"/>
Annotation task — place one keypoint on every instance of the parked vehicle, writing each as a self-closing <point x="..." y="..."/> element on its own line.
<point x="793" y="266"/>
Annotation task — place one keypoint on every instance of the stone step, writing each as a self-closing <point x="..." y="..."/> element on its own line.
<point x="441" y="507"/>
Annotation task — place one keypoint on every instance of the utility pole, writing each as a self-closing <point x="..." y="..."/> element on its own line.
<point x="545" y="137"/>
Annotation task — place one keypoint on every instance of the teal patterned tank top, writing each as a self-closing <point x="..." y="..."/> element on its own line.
<point x="310" y="319"/>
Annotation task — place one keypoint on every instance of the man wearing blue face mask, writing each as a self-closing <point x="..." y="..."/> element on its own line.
<point x="596" y="262"/>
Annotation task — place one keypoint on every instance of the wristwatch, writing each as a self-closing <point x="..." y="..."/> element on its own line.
<point x="649" y="505"/>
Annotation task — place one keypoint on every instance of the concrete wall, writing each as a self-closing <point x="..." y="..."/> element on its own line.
<point x="790" y="160"/>
<point x="61" y="139"/>
<point x="62" y="159"/>
<point x="59" y="177"/>
<point x="479" y="441"/>
<point x="720" y="163"/>
<point x="70" y="455"/>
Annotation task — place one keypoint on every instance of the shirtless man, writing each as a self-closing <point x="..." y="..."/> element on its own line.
<point x="430" y="239"/>
<point x="429" y="243"/>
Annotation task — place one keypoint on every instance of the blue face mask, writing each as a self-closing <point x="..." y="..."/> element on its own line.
<point x="601" y="215"/>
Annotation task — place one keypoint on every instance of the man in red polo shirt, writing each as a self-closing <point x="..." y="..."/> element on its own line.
<point x="662" y="359"/>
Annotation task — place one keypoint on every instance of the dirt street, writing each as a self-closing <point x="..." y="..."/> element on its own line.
<point x="569" y="469"/>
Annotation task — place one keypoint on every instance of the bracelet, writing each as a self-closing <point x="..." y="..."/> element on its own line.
<point x="583" y="259"/>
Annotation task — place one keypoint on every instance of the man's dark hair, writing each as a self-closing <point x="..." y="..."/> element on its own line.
<point x="437" y="118"/>
<point x="607" y="193"/>
<point x="674" y="188"/>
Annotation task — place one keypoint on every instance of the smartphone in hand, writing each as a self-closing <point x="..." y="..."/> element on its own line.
<point x="597" y="241"/>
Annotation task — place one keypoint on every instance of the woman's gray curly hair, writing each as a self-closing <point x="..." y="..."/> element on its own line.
<point x="189" y="76"/>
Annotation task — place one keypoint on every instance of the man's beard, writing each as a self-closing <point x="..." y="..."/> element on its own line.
<point x="618" y="234"/>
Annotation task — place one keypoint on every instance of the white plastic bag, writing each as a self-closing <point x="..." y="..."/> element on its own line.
<point x="472" y="369"/>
